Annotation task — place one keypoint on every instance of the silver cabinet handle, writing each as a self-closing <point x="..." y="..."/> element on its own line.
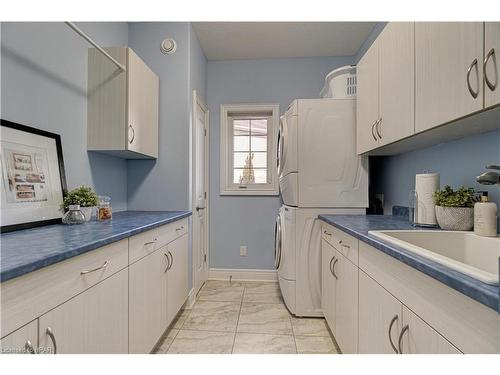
<point x="49" y="333"/>
<point x="198" y="208"/>
<point x="29" y="347"/>
<point x="149" y="242"/>
<point x="333" y="268"/>
<point x="180" y="228"/>
<point x="104" y="265"/>
<point x="168" y="262"/>
<point x="377" y="127"/>
<point x="171" y="261"/>
<point x="341" y="243"/>
<point x="491" y="54"/>
<point x="328" y="234"/>
<point x="393" y="320"/>
<point x="469" y="70"/>
<point x="400" y="339"/>
<point x="130" y="140"/>
<point x="331" y="260"/>
<point x="373" y="126"/>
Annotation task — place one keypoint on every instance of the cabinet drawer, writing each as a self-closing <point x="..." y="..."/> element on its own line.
<point x="143" y="244"/>
<point x="170" y="232"/>
<point x="346" y="244"/>
<point x="27" y="297"/>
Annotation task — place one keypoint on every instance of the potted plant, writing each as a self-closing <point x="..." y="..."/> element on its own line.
<point x="83" y="196"/>
<point x="455" y="209"/>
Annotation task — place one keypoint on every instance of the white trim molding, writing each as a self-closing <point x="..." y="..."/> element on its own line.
<point x="227" y="112"/>
<point x="242" y="274"/>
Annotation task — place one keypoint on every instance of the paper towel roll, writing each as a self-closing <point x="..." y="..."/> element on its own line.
<point x="425" y="185"/>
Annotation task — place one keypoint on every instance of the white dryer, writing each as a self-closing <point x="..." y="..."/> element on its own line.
<point x="317" y="161"/>
<point x="298" y="256"/>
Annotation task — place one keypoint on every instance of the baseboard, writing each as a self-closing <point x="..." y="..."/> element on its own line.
<point x="242" y="274"/>
<point x="190" y="300"/>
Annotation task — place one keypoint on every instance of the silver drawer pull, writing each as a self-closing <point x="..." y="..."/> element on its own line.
<point x="328" y="234"/>
<point x="178" y="229"/>
<point x="149" y="242"/>
<point x="29" y="347"/>
<point x="49" y="333"/>
<point x="341" y="243"/>
<point x="104" y="265"/>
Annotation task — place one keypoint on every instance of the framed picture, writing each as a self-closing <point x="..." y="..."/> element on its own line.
<point x="33" y="177"/>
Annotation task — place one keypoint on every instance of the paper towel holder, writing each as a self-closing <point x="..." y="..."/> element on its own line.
<point x="413" y="211"/>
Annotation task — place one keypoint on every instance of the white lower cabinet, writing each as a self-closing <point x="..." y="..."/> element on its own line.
<point x="177" y="285"/>
<point x="24" y="340"/>
<point x="328" y="286"/>
<point x="379" y="318"/>
<point x="417" y="337"/>
<point x="148" y="301"/>
<point x="95" y="321"/>
<point x="346" y="306"/>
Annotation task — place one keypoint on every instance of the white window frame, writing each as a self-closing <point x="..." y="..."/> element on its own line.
<point x="227" y="187"/>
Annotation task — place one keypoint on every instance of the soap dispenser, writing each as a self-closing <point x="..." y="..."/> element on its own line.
<point x="485" y="217"/>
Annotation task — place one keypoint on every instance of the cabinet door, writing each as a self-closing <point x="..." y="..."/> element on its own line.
<point x="396" y="82"/>
<point x="177" y="284"/>
<point x="367" y="95"/>
<point x="148" y="301"/>
<point x="328" y="284"/>
<point x="492" y="65"/>
<point x="444" y="52"/>
<point x="377" y="309"/>
<point x="93" y="322"/>
<point x="346" y="306"/>
<point x="143" y="90"/>
<point x="418" y="337"/>
<point x="23" y="340"/>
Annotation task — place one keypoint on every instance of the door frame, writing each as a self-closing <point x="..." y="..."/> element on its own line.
<point x="197" y="100"/>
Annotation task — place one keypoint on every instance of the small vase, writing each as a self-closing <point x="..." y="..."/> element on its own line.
<point x="455" y="218"/>
<point x="87" y="212"/>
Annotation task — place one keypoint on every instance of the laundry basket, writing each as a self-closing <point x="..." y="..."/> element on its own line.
<point x="340" y="83"/>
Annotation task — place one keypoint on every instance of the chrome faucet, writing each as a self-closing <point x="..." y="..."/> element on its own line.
<point x="489" y="178"/>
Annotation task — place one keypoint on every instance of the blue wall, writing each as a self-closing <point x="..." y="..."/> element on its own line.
<point x="249" y="221"/>
<point x="44" y="85"/>
<point x="458" y="163"/>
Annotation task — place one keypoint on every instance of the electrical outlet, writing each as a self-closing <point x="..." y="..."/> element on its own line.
<point x="243" y="251"/>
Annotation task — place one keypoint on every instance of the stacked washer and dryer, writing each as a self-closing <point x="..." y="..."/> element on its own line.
<point x="319" y="173"/>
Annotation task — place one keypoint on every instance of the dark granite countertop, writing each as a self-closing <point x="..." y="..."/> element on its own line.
<point x="359" y="225"/>
<point x="31" y="249"/>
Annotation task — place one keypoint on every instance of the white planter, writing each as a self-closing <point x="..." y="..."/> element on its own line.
<point x="455" y="218"/>
<point x="87" y="212"/>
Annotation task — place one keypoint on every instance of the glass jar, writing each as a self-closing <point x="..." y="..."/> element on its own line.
<point x="74" y="215"/>
<point x="104" y="211"/>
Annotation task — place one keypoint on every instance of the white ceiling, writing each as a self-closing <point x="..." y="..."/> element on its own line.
<point x="265" y="40"/>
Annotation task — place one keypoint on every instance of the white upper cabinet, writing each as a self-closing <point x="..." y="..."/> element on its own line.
<point x="448" y="71"/>
<point x="396" y="83"/>
<point x="385" y="93"/>
<point x="367" y="111"/>
<point x="122" y="106"/>
<point x="491" y="63"/>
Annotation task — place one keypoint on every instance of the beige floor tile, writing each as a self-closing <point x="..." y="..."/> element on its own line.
<point x="222" y="292"/>
<point x="202" y="342"/>
<point x="265" y="318"/>
<point x="165" y="345"/>
<point x="213" y="316"/>
<point x="251" y="343"/>
<point x="263" y="292"/>
<point x="310" y="327"/>
<point x="219" y="284"/>
<point x="180" y="319"/>
<point x="315" y="345"/>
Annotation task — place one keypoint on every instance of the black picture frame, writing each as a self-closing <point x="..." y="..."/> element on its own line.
<point x="62" y="173"/>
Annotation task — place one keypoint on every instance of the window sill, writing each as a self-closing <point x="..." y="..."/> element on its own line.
<point x="250" y="192"/>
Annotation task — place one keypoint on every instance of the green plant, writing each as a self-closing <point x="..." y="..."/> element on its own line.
<point x="84" y="196"/>
<point x="463" y="197"/>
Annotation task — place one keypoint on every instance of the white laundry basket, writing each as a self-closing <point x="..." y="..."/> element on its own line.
<point x="340" y="83"/>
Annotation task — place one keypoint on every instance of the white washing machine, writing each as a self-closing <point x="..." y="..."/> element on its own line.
<point x="298" y="256"/>
<point x="317" y="161"/>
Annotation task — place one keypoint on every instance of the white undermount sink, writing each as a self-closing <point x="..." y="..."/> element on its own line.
<point x="464" y="252"/>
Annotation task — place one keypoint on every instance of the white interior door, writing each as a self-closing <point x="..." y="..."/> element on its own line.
<point x="200" y="192"/>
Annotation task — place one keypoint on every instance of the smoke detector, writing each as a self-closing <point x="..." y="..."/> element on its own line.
<point x="168" y="46"/>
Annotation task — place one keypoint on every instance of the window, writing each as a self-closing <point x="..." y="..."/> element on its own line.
<point x="248" y="149"/>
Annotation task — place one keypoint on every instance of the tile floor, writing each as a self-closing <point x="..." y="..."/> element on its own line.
<point x="244" y="318"/>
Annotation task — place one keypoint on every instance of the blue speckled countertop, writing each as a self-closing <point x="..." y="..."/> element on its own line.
<point x="31" y="249"/>
<point x="359" y="225"/>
